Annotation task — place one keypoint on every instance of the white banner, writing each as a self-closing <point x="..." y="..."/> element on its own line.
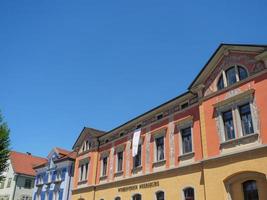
<point x="135" y="143"/>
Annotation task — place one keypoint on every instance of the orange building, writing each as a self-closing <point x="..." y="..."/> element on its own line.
<point x="208" y="143"/>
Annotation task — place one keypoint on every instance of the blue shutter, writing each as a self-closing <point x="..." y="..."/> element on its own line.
<point x="34" y="196"/>
<point x="54" y="175"/>
<point x="45" y="177"/>
<point x="60" y="194"/>
<point x="42" y="195"/>
<point x="63" y="173"/>
<point x="51" y="195"/>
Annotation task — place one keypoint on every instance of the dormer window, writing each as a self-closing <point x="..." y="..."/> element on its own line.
<point x="231" y="75"/>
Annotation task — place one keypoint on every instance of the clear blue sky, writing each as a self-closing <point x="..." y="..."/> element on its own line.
<point x="69" y="64"/>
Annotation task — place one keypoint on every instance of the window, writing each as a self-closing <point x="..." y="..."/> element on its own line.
<point x="246" y="119"/>
<point x="242" y="73"/>
<point x="9" y="182"/>
<point x="104" y="166"/>
<point x="137" y="197"/>
<point x="231" y="75"/>
<point x="220" y="84"/>
<point x="28" y="183"/>
<point x="119" y="161"/>
<point x="117" y="198"/>
<point x="2" y="184"/>
<point x="184" y="105"/>
<point x="137" y="158"/>
<point x="250" y="190"/>
<point x="186" y="140"/>
<point x="189" y="194"/>
<point x="159" y="148"/>
<point x="160" y="116"/>
<point x="160" y="195"/>
<point x="83" y="169"/>
<point x="228" y="125"/>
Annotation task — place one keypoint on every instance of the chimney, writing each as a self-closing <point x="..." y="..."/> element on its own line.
<point x="28" y="153"/>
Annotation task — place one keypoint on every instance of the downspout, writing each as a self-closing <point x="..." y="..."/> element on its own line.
<point x="200" y="101"/>
<point x="13" y="197"/>
<point x="98" y="144"/>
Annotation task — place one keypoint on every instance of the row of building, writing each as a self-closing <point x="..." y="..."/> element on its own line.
<point x="207" y="143"/>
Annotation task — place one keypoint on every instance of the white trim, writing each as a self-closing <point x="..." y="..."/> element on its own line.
<point x="159" y="134"/>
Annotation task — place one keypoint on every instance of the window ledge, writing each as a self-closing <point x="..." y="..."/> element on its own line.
<point x="159" y="163"/>
<point x="250" y="138"/>
<point x="103" y="177"/>
<point x="82" y="182"/>
<point x="186" y="156"/>
<point x="118" y="173"/>
<point x="137" y="169"/>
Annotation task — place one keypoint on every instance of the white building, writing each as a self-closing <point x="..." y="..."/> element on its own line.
<point x="19" y="176"/>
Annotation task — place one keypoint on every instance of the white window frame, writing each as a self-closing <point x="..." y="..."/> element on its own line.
<point x="223" y="74"/>
<point x="82" y="164"/>
<point x="184" y="125"/>
<point x="119" y="150"/>
<point x="234" y="107"/>
<point x="161" y="133"/>
<point x="140" y="143"/>
<point x="104" y="155"/>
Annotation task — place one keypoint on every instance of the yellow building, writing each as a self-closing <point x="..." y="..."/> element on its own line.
<point x="209" y="143"/>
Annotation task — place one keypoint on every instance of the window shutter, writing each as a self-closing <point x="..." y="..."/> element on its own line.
<point x="54" y="175"/>
<point x="63" y="173"/>
<point x="42" y="195"/>
<point x="50" y="195"/>
<point x="60" y="194"/>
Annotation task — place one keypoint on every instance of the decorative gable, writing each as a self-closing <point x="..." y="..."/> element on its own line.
<point x="243" y="59"/>
<point x="232" y="59"/>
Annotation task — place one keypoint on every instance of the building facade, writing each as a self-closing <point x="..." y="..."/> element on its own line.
<point x="54" y="178"/>
<point x="208" y="143"/>
<point x="19" y="176"/>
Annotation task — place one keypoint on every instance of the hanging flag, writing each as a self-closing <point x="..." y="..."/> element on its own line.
<point x="135" y="143"/>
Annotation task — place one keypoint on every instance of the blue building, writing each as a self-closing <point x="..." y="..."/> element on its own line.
<point x="54" y="178"/>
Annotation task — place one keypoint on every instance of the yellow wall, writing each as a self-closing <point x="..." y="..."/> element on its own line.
<point x="218" y="170"/>
<point x="171" y="182"/>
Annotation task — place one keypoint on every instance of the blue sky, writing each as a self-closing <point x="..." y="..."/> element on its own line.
<point x="69" y="64"/>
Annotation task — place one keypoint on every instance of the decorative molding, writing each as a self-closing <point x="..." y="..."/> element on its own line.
<point x="171" y="128"/>
<point x="147" y="143"/>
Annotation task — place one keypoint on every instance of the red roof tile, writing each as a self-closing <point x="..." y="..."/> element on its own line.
<point x="23" y="163"/>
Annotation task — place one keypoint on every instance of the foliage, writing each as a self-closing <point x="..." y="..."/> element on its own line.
<point x="4" y="146"/>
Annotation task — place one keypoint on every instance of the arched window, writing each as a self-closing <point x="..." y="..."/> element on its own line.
<point x="242" y="73"/>
<point x="231" y="75"/>
<point x="189" y="193"/>
<point x="220" y="83"/>
<point x="160" y="195"/>
<point x="250" y="190"/>
<point x="117" y="198"/>
<point x="137" y="197"/>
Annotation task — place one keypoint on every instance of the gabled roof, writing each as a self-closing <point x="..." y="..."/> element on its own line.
<point x="86" y="130"/>
<point x="210" y="65"/>
<point x="63" y="155"/>
<point x="61" y="152"/>
<point x="23" y="163"/>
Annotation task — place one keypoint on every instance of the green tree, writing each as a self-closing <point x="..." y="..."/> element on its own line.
<point x="4" y="146"/>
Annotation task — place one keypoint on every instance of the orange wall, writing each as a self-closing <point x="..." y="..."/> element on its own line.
<point x="212" y="136"/>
